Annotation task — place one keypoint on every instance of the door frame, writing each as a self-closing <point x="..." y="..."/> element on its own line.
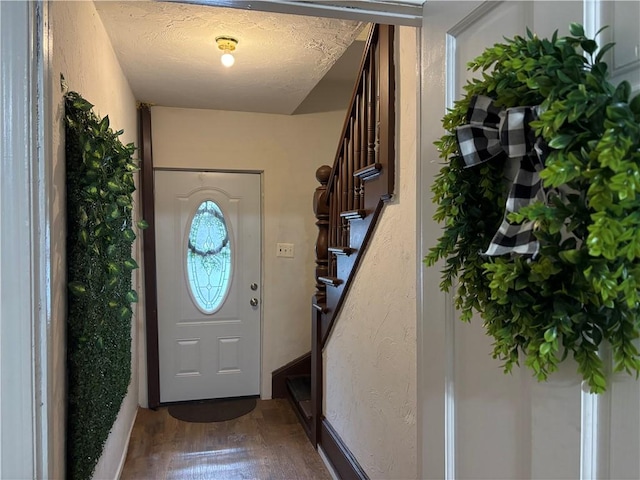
<point x="25" y="225"/>
<point x="147" y="189"/>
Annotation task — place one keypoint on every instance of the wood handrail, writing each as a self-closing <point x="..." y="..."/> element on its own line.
<point x="363" y="170"/>
<point x="373" y="36"/>
<point x="351" y="195"/>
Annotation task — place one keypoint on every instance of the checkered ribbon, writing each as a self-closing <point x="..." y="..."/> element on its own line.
<point x="492" y="131"/>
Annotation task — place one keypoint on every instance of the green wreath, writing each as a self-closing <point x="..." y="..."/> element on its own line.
<point x="581" y="286"/>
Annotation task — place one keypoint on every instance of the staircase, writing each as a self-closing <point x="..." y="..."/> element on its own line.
<point x="347" y="205"/>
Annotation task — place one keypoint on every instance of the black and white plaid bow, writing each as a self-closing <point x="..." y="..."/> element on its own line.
<point x="491" y="131"/>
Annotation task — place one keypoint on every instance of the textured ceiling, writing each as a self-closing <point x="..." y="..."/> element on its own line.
<point x="168" y="53"/>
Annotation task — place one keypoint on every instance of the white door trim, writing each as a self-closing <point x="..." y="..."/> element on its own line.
<point x="436" y="402"/>
<point x="24" y="239"/>
<point x="396" y="12"/>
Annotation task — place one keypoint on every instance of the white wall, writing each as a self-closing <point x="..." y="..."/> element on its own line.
<point x="81" y="51"/>
<point x="370" y="360"/>
<point x="288" y="149"/>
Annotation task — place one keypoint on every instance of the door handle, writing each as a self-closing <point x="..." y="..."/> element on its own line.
<point x="254" y="302"/>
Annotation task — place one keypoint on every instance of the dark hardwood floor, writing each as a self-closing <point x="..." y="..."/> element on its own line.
<point x="268" y="443"/>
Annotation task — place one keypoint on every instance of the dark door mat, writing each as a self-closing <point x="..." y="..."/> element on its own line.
<point x="212" y="410"/>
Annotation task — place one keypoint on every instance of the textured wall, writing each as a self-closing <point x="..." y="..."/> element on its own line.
<point x="370" y="360"/>
<point x="288" y="149"/>
<point x="82" y="53"/>
<point x="151" y="39"/>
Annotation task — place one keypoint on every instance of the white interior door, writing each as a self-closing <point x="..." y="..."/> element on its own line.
<point x="208" y="230"/>
<point x="479" y="423"/>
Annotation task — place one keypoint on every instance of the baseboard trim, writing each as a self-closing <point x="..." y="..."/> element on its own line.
<point x="123" y="458"/>
<point x="341" y="460"/>
<point x="327" y="463"/>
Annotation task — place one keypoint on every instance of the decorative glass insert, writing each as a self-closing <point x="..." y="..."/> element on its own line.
<point x="209" y="257"/>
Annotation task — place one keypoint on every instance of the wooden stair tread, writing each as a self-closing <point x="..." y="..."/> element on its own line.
<point x="342" y="250"/>
<point x="321" y="308"/>
<point x="354" y="214"/>
<point x="305" y="406"/>
<point x="331" y="281"/>
<point x="300" y="387"/>
<point x="369" y="172"/>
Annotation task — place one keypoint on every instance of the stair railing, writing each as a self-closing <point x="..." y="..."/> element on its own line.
<point x="351" y="195"/>
<point x="362" y="176"/>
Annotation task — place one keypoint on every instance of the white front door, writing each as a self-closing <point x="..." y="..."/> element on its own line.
<point x="477" y="422"/>
<point x="208" y="230"/>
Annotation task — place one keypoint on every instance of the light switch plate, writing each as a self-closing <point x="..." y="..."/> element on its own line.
<point x="284" y="250"/>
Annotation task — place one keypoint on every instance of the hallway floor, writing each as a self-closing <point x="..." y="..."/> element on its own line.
<point x="266" y="444"/>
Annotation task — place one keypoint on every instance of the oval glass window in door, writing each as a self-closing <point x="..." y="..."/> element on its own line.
<point x="209" y="257"/>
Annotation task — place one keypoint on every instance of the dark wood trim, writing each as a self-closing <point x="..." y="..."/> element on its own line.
<point x="305" y="407"/>
<point x="299" y="366"/>
<point x="340" y="457"/>
<point x="375" y="169"/>
<point x="149" y="249"/>
<point x="379" y="179"/>
<point x="322" y="214"/>
<point x="371" y="40"/>
<point x="304" y="422"/>
<point x="387" y="106"/>
<point x="316" y="374"/>
<point x="349" y="268"/>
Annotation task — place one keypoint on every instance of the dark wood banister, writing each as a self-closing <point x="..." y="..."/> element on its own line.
<point x="351" y="196"/>
<point x="357" y="187"/>
<point x="352" y="105"/>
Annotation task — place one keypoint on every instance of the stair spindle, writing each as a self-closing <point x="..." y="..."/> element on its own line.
<point x="344" y="174"/>
<point x="371" y="114"/>
<point x="357" y="151"/>
<point x="338" y="201"/>
<point x="362" y="130"/>
<point x="376" y="148"/>
<point x="350" y="165"/>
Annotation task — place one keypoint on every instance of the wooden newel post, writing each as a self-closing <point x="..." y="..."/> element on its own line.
<point x="321" y="210"/>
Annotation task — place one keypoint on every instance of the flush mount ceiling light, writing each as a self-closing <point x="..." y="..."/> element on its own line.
<point x="227" y="45"/>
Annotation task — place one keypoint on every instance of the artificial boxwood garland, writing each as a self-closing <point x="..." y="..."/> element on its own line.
<point x="100" y="185"/>
<point x="581" y="288"/>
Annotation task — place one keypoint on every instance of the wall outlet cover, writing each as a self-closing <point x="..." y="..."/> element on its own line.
<point x="284" y="250"/>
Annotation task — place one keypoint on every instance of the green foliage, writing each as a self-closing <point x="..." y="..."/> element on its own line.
<point x="100" y="185"/>
<point x="581" y="290"/>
